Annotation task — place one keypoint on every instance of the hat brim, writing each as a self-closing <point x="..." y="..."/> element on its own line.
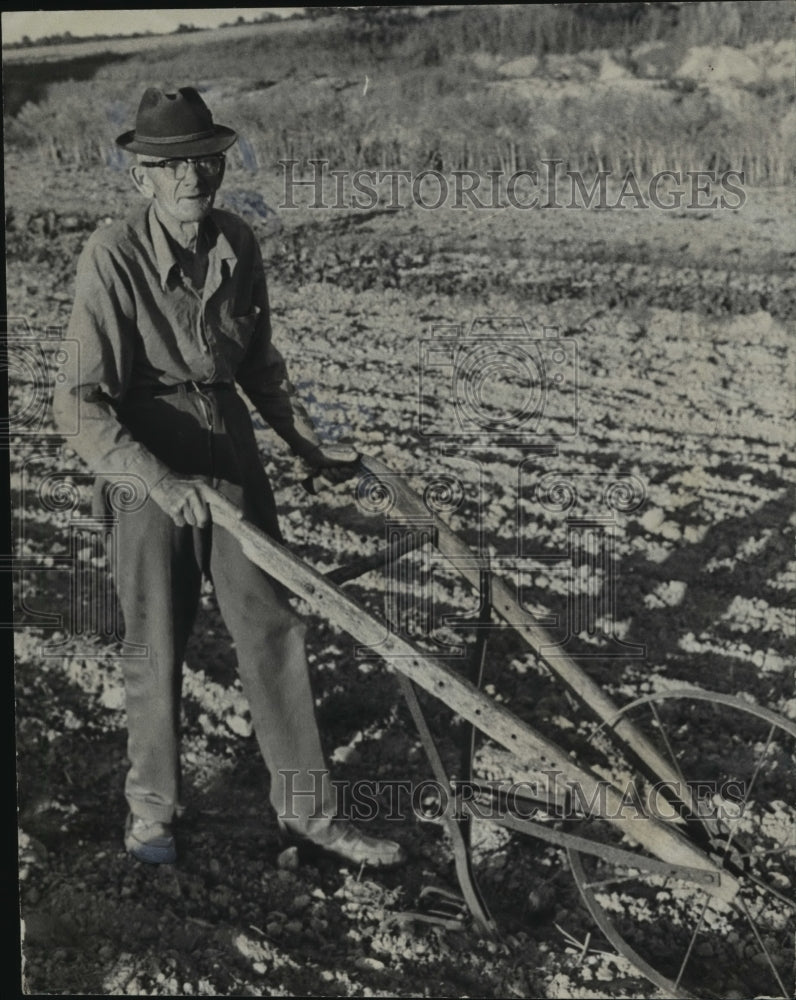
<point x="221" y="139"/>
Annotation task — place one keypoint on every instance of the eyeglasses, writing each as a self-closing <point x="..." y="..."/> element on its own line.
<point x="209" y="166"/>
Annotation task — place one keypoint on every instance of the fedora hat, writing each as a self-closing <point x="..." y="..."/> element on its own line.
<point x="175" y="125"/>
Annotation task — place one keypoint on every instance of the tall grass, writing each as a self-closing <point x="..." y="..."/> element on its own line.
<point x="459" y="128"/>
<point x="379" y="89"/>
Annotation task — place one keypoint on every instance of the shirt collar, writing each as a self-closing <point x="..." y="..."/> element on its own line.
<point x="220" y="250"/>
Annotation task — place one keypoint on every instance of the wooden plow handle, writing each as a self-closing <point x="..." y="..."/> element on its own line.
<point x="533" y="751"/>
<point x="471" y="565"/>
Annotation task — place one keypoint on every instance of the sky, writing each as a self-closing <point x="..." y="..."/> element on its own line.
<point x="36" y="23"/>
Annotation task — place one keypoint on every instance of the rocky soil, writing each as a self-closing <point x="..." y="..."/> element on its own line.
<point x="678" y="380"/>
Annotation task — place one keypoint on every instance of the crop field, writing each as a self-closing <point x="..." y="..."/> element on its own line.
<point x="542" y="376"/>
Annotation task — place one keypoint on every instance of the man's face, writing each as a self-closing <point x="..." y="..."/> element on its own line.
<point x="183" y="191"/>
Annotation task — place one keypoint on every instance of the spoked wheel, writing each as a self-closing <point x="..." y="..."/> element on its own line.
<point x="739" y="761"/>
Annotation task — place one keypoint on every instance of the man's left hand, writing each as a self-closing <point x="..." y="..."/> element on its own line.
<point x="334" y="462"/>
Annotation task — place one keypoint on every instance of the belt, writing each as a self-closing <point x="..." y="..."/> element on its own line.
<point x="190" y="386"/>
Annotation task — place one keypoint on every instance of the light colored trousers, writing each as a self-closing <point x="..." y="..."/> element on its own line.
<point x="158" y="572"/>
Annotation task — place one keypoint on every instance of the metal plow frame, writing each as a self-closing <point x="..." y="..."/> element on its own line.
<point x="671" y="851"/>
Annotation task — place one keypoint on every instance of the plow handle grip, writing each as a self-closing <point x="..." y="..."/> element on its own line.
<point x="315" y="482"/>
<point x="227" y="514"/>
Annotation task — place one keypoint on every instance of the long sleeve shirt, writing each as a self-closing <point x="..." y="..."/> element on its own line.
<point x="140" y="324"/>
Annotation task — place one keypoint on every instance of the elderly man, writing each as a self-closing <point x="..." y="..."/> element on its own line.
<point x="171" y="311"/>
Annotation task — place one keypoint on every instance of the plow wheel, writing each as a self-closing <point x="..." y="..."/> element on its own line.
<point x="739" y="761"/>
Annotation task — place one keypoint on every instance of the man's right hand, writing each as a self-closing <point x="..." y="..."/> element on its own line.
<point x="182" y="500"/>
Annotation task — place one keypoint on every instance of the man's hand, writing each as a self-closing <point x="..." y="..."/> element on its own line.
<point x="333" y="462"/>
<point x="182" y="500"/>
